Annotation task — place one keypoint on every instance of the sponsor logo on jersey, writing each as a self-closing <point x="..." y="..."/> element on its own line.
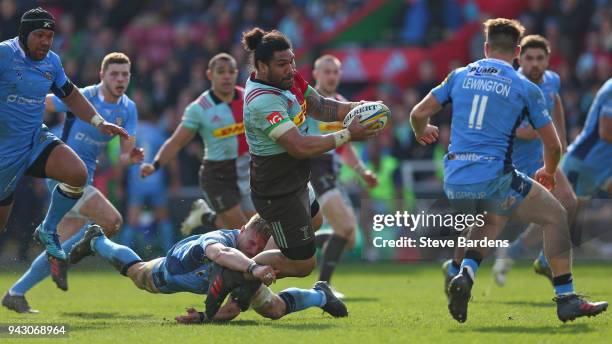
<point x="215" y="119"/>
<point x="300" y="117"/>
<point x="13" y="98"/>
<point x="230" y="130"/>
<point x="119" y="121"/>
<point x="48" y="75"/>
<point x="274" y="117"/>
<point x="479" y="71"/>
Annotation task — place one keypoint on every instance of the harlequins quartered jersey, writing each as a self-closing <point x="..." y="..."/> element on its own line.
<point x="219" y="124"/>
<point x="268" y="112"/>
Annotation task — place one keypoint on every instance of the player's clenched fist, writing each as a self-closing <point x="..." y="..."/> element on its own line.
<point x="265" y="274"/>
<point x="546" y="179"/>
<point x="146" y="170"/>
<point x="428" y="136"/>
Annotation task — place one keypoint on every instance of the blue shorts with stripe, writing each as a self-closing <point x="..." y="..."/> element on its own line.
<point x="500" y="196"/>
<point x="12" y="171"/>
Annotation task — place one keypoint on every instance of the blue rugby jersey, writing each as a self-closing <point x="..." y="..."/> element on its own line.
<point x="185" y="267"/>
<point x="24" y="83"/>
<point x="490" y="100"/>
<point x="528" y="155"/>
<point x="588" y="146"/>
<point x="85" y="139"/>
<point x="150" y="137"/>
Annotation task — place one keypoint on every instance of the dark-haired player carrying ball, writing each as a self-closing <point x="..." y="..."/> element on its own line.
<point x="276" y="102"/>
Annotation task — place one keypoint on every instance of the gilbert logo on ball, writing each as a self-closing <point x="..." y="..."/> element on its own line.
<point x="368" y="113"/>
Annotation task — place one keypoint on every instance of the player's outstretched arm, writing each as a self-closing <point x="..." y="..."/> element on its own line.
<point x="326" y="109"/>
<point x="130" y="154"/>
<point x="552" y="155"/>
<point x="234" y="259"/>
<point x="350" y="158"/>
<point x="558" y="117"/>
<point x="424" y="132"/>
<point x="82" y="108"/>
<point x="228" y="312"/>
<point x="179" y="139"/>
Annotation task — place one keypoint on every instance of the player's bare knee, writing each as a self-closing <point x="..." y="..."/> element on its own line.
<point x="556" y="215"/>
<point x="112" y="224"/>
<point x="569" y="202"/>
<point x="77" y="177"/>
<point x="305" y="267"/>
<point x="345" y="231"/>
<point x="275" y="314"/>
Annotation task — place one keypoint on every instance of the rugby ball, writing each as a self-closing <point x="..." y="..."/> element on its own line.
<point x="368" y="113"/>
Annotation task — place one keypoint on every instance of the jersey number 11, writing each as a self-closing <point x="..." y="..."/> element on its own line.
<point x="479" y="104"/>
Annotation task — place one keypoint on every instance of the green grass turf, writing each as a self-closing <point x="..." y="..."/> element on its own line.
<point x="387" y="303"/>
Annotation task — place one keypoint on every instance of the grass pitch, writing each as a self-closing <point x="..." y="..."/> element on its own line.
<point x="387" y="304"/>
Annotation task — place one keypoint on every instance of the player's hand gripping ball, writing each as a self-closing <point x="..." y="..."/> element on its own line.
<point x="370" y="112"/>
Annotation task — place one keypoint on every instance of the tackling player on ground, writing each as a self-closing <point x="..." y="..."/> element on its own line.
<point x="490" y="100"/>
<point x="107" y="97"/>
<point x="190" y="263"/>
<point x="29" y="70"/>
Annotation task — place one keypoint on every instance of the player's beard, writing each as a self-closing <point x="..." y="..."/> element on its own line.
<point x="536" y="75"/>
<point x="284" y="83"/>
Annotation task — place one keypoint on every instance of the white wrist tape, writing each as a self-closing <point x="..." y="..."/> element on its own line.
<point x="359" y="167"/>
<point x="341" y="137"/>
<point x="96" y="120"/>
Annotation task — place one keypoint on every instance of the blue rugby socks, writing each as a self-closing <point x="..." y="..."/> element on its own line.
<point x="299" y="299"/>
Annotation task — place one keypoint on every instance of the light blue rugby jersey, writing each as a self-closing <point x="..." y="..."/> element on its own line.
<point x="528" y="155"/>
<point x="490" y="100"/>
<point x="85" y="139"/>
<point x="150" y="137"/>
<point x="186" y="265"/>
<point x="24" y="83"/>
<point x="588" y="146"/>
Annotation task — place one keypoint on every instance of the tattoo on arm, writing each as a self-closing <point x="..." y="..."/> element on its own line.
<point x="321" y="108"/>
